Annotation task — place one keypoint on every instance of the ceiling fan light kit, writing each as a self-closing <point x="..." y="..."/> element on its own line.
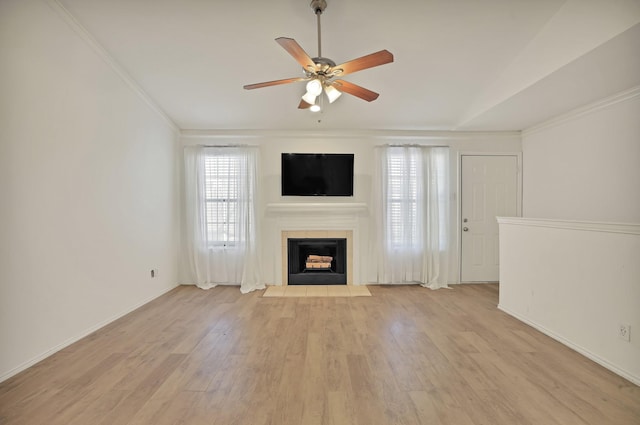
<point x="332" y="93"/>
<point x="320" y="72"/>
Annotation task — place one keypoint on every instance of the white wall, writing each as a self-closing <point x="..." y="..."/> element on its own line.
<point x="362" y="144"/>
<point x="577" y="282"/>
<point x="570" y="268"/>
<point x="586" y="166"/>
<point x="87" y="188"/>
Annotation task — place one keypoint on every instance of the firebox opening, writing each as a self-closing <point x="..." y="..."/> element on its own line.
<point x="317" y="261"/>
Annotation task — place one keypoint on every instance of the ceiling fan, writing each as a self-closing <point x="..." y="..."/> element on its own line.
<point x="321" y="73"/>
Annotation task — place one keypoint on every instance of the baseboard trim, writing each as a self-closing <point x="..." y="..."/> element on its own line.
<point x="588" y="354"/>
<point x="77" y="338"/>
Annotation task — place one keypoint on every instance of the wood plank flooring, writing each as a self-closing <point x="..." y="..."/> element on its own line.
<point x="405" y="355"/>
<point x="317" y="291"/>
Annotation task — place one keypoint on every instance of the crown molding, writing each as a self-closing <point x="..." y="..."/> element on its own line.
<point x="588" y="226"/>
<point x="75" y="25"/>
<point x="584" y="110"/>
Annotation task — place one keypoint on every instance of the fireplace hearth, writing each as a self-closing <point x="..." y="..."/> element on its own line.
<point x="317" y="261"/>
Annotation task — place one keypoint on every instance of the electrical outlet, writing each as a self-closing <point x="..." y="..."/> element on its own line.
<point x="624" y="332"/>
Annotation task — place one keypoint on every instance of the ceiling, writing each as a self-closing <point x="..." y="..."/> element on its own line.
<point x="459" y="64"/>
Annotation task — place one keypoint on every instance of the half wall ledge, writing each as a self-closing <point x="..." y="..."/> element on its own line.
<point x="593" y="226"/>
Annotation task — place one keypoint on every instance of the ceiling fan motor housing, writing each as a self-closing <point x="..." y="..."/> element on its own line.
<point x="323" y="65"/>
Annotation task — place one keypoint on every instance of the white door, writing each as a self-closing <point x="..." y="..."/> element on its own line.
<point x="489" y="190"/>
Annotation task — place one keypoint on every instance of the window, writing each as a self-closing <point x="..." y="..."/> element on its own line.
<point x="402" y="199"/>
<point x="410" y="210"/>
<point x="221" y="242"/>
<point x="416" y="196"/>
<point x="222" y="179"/>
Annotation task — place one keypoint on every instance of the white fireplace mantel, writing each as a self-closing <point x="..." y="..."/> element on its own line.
<point x="320" y="219"/>
<point x="333" y="208"/>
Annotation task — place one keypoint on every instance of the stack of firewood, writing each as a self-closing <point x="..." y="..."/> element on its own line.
<point x="319" y="262"/>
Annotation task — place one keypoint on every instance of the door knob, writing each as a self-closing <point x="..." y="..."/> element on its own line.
<point x="465" y="229"/>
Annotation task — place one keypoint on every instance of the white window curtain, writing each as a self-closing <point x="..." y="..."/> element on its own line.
<point x="221" y="229"/>
<point x="410" y="226"/>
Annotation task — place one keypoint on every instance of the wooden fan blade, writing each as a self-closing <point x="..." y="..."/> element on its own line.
<point x="273" y="83"/>
<point x="304" y="105"/>
<point x="369" y="61"/>
<point x="298" y="53"/>
<point x="355" y="90"/>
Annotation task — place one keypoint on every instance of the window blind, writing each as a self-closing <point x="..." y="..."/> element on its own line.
<point x="402" y="197"/>
<point x="221" y="186"/>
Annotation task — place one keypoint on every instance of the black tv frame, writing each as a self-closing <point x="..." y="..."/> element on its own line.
<point x="317" y="174"/>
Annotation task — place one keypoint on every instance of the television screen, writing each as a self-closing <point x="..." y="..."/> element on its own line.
<point x="317" y="174"/>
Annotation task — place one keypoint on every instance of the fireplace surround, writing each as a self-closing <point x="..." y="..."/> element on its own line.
<point x="346" y="235"/>
<point x="317" y="220"/>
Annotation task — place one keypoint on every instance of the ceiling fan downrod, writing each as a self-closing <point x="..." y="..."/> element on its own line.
<point x="318" y="7"/>
<point x="323" y="64"/>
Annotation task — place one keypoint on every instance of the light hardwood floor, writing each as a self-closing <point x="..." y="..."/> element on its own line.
<point x="406" y="355"/>
<point x="317" y="291"/>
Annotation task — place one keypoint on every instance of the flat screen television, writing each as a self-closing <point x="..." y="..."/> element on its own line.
<point x="317" y="174"/>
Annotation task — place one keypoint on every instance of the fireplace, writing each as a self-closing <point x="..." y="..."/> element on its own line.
<point x="317" y="261"/>
<point x="287" y="234"/>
